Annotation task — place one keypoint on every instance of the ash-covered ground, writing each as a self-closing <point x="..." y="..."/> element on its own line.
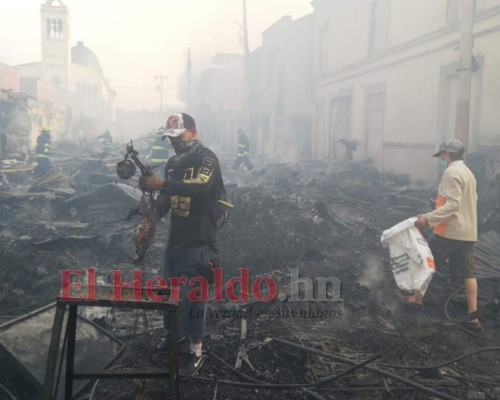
<point x="289" y="220"/>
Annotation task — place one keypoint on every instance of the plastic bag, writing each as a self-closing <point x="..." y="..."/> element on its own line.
<point x="412" y="263"/>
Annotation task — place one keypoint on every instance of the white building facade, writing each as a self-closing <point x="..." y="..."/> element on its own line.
<point x="386" y="73"/>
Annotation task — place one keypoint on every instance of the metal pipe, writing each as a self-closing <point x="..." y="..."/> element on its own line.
<point x="287" y="386"/>
<point x="368" y="368"/>
<point x="312" y="394"/>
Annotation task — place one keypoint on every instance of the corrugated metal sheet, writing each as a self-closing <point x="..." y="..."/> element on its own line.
<point x="488" y="255"/>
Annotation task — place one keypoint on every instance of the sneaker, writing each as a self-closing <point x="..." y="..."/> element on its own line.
<point x="474" y="326"/>
<point x="191" y="364"/>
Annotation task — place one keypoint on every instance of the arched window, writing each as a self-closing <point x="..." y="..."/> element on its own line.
<point x="53" y="28"/>
<point x="60" y="28"/>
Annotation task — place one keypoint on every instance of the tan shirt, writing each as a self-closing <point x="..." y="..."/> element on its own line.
<point x="455" y="216"/>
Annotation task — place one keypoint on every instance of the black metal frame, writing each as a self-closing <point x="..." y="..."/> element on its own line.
<point x="39" y="386"/>
<point x="57" y="328"/>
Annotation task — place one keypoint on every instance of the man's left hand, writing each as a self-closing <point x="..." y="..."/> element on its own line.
<point x="421" y="221"/>
<point x="150" y="182"/>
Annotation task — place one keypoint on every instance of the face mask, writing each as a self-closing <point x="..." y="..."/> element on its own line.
<point x="442" y="163"/>
<point x="183" y="147"/>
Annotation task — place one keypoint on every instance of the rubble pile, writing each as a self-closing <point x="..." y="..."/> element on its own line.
<point x="322" y="220"/>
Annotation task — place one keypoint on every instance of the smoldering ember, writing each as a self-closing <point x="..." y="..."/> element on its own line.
<point x="247" y="200"/>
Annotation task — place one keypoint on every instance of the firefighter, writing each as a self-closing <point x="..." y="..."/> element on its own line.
<point x="43" y="142"/>
<point x="243" y="152"/>
<point x="106" y="141"/>
<point x="160" y="152"/>
<point x="350" y="147"/>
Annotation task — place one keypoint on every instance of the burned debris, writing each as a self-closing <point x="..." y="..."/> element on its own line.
<point x="289" y="222"/>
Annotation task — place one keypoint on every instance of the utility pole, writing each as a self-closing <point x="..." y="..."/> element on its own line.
<point x="161" y="78"/>
<point x="246" y="61"/>
<point x="189" y="105"/>
<point x="465" y="72"/>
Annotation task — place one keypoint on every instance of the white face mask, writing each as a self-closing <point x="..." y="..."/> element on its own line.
<point x="442" y="163"/>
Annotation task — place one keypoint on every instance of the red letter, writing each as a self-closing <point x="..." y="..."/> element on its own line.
<point x="174" y="284"/>
<point x="67" y="285"/>
<point x="272" y="289"/>
<point x="243" y="281"/>
<point x="150" y="286"/>
<point x="136" y="285"/>
<point x="203" y="289"/>
<point x="218" y="284"/>
<point x="91" y="284"/>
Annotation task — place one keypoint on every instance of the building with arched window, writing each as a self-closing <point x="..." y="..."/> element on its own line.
<point x="71" y="78"/>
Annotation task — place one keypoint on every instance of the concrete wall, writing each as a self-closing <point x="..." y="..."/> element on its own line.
<point x="9" y="78"/>
<point x="89" y="96"/>
<point x="283" y="89"/>
<point x="403" y="97"/>
<point x="220" y="102"/>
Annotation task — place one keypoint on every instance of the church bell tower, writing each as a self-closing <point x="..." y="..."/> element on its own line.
<point x="56" y="51"/>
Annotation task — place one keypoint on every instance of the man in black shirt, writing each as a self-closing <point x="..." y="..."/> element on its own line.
<point x="193" y="181"/>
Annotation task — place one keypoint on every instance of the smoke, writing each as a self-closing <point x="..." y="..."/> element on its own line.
<point x="373" y="273"/>
<point x="378" y="281"/>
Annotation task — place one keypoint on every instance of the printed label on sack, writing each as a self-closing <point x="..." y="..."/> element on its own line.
<point x="400" y="263"/>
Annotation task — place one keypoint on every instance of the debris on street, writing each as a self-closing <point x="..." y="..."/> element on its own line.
<point x="289" y="221"/>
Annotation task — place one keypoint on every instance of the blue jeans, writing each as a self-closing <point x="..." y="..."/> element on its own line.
<point x="189" y="263"/>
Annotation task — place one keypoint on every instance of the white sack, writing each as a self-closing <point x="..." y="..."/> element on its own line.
<point x="412" y="263"/>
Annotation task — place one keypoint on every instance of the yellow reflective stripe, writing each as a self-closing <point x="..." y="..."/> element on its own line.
<point x="159" y="148"/>
<point x="41" y="156"/>
<point x="200" y="179"/>
<point x="159" y="160"/>
<point x="225" y="203"/>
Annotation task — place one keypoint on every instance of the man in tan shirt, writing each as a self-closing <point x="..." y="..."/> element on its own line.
<point x="454" y="221"/>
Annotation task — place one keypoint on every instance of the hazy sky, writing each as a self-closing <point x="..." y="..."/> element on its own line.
<point x="136" y="40"/>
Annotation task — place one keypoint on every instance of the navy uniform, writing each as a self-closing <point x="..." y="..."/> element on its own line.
<point x="42" y="152"/>
<point x="243" y="152"/>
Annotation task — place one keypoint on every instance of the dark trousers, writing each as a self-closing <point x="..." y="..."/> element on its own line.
<point x="242" y="159"/>
<point x="189" y="263"/>
<point x="43" y="166"/>
<point x="459" y="253"/>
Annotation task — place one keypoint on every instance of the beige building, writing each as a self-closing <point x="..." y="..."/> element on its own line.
<point x="71" y="78"/>
<point x="386" y="73"/>
<point x="220" y="101"/>
<point x="281" y="82"/>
